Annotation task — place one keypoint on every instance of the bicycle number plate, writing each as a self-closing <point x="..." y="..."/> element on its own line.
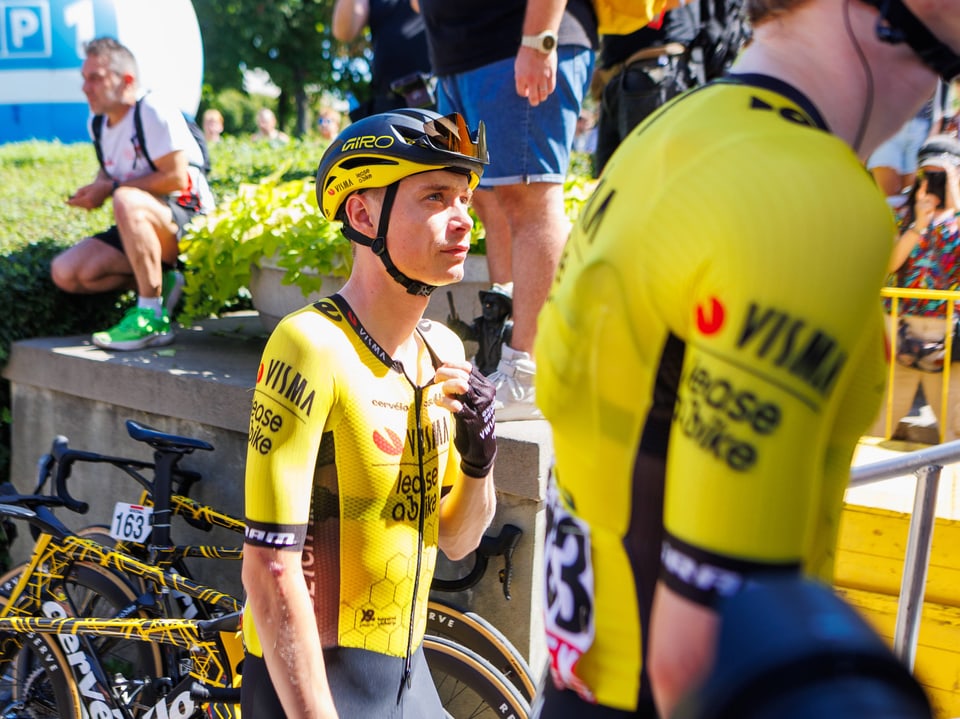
<point x="131" y="522"/>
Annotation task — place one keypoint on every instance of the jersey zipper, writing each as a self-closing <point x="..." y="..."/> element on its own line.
<point x="407" y="679"/>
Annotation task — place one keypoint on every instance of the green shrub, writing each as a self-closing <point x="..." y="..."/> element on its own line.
<point x="36" y="224"/>
<point x="239" y="111"/>
<point x="262" y="212"/>
<point x="37" y="178"/>
<point x="272" y="219"/>
<point x="38" y="309"/>
<point x="238" y="161"/>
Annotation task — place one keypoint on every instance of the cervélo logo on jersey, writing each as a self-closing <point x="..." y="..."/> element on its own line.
<point x="778" y="338"/>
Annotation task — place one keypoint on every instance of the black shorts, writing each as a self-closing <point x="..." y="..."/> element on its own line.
<point x="181" y="216"/>
<point x="565" y="704"/>
<point x="363" y="684"/>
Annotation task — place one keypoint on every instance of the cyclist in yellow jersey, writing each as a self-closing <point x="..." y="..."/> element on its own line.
<point x="371" y="440"/>
<point x="713" y="345"/>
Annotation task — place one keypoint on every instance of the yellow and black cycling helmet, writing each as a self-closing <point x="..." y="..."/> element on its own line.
<point x="380" y="150"/>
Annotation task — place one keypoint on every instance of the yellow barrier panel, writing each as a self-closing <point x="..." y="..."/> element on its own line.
<point x="896" y="294"/>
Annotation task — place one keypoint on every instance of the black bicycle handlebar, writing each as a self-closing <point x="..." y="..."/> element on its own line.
<point x="230" y="622"/>
<point x="503" y="544"/>
<point x="206" y="693"/>
<point x="168" y="450"/>
<point x="39" y="516"/>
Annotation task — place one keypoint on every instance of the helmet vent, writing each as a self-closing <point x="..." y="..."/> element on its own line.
<point x="366" y="161"/>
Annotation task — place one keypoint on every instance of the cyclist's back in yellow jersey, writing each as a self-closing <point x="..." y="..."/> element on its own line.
<point x="711" y="348"/>
<point x="346" y="461"/>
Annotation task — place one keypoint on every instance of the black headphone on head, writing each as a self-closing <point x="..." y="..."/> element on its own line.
<point x="898" y="24"/>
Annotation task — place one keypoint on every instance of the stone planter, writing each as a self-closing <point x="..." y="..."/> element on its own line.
<point x="274" y="300"/>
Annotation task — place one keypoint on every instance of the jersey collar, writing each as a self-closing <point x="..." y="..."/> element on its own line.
<point x="780" y="87"/>
<point x="347" y="311"/>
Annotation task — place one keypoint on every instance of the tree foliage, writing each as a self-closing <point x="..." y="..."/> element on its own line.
<point x="291" y="39"/>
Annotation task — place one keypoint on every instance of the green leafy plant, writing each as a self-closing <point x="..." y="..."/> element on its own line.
<point x="277" y="220"/>
<point x="273" y="219"/>
<point x="262" y="213"/>
<point x="576" y="192"/>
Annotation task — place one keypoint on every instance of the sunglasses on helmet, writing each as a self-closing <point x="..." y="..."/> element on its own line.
<point x="450" y="133"/>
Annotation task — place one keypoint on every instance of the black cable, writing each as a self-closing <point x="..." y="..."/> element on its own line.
<point x="868" y="103"/>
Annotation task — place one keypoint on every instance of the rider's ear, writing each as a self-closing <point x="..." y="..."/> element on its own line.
<point x="362" y="212"/>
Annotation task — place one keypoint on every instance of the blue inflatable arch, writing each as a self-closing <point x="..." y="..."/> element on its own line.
<point x="41" y="51"/>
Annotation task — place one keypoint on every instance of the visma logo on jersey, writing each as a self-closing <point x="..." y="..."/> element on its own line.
<point x="810" y="354"/>
<point x="277" y="378"/>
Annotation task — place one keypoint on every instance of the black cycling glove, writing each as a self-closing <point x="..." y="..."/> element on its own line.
<point x="475" y="438"/>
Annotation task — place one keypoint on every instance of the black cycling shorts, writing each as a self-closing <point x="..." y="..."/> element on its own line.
<point x="181" y="217"/>
<point x="554" y="703"/>
<point x="363" y="684"/>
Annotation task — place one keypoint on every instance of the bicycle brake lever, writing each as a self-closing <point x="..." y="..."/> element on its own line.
<point x="509" y="538"/>
<point x="46" y="462"/>
<point x="44" y="468"/>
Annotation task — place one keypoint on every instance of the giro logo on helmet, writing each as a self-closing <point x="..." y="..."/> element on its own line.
<point x="367" y="142"/>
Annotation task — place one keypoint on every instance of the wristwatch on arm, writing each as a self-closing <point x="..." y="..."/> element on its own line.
<point x="545" y="42"/>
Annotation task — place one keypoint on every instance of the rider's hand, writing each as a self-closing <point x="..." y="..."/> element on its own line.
<point x="471" y="398"/>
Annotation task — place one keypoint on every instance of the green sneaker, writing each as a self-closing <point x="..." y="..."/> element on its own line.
<point x="173" y="281"/>
<point x="139" y="328"/>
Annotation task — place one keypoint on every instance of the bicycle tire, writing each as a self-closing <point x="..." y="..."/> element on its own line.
<point x="470" y="630"/>
<point x="46" y="693"/>
<point x="101" y="534"/>
<point x="94" y="591"/>
<point x="469" y="686"/>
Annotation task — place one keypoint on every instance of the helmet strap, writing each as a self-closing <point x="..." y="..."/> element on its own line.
<point x="378" y="246"/>
<point x="897" y="24"/>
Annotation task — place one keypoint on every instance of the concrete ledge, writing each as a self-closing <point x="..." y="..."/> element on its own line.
<point x="201" y="386"/>
<point x="206" y="376"/>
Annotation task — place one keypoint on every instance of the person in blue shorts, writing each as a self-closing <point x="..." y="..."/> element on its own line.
<point x="894" y="164"/>
<point x="524" y="67"/>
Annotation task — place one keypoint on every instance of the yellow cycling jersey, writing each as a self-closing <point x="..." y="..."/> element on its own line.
<point x="345" y="463"/>
<point x="711" y="350"/>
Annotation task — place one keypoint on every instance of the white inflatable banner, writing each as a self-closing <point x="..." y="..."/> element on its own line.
<point x="41" y="51"/>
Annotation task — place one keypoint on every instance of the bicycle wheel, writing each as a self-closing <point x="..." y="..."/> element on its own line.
<point x="34" y="681"/>
<point x="472" y="631"/>
<point x="175" y="604"/>
<point x="469" y="686"/>
<point x="43" y="692"/>
<point x="135" y="668"/>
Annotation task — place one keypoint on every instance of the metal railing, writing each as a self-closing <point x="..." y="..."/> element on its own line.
<point x="896" y="294"/>
<point x="926" y="464"/>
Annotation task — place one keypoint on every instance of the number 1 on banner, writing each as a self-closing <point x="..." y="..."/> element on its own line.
<point x="131" y="522"/>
